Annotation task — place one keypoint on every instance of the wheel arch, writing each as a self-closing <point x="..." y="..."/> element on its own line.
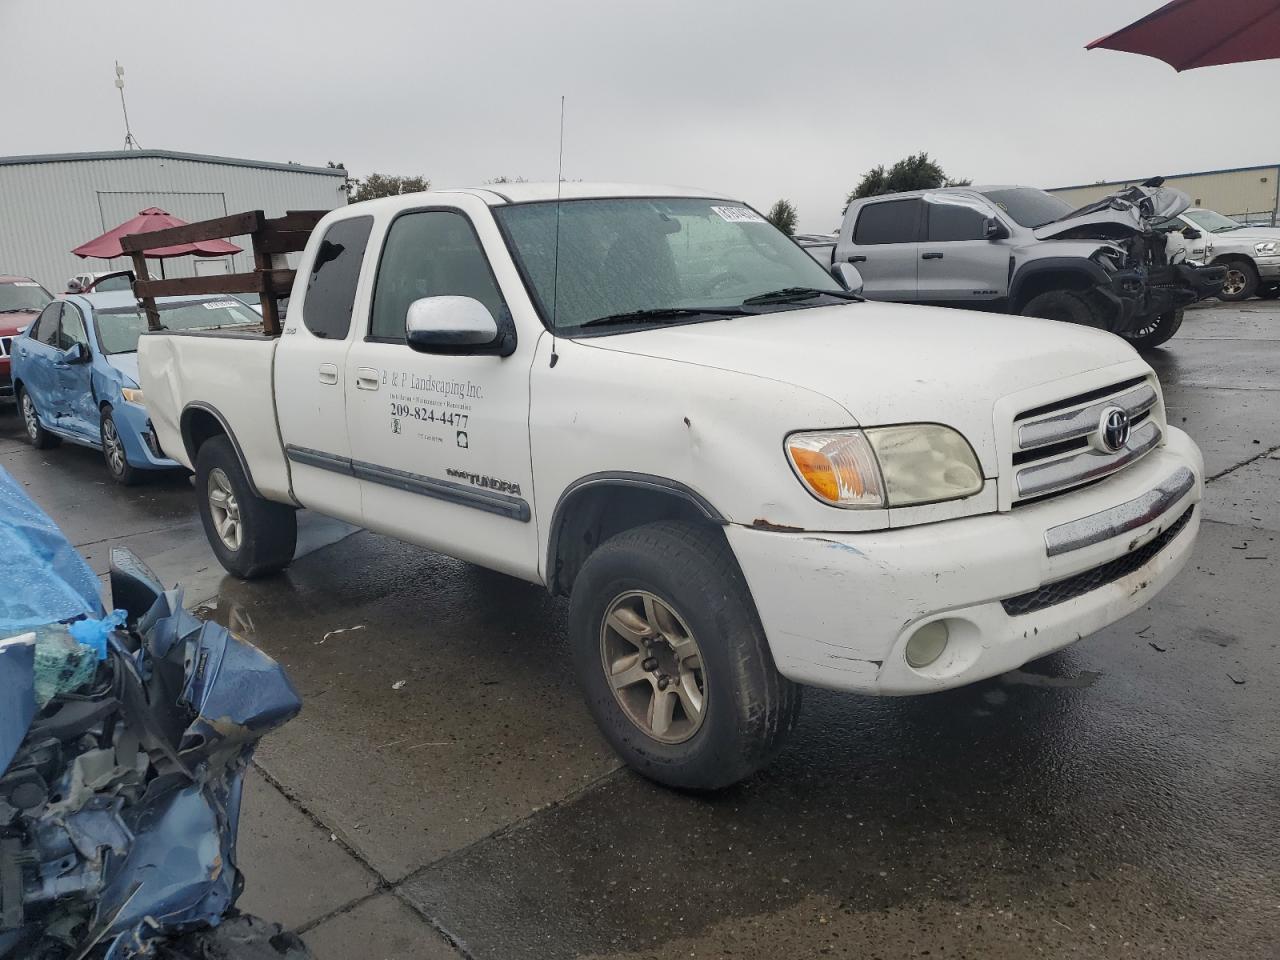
<point x="596" y="507"/>
<point x="200" y="423"/>
<point x="1053" y="273"/>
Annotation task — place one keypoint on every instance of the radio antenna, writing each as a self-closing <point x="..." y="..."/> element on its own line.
<point x="555" y="270"/>
<point x="130" y="142"/>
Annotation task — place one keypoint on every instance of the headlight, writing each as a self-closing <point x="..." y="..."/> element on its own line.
<point x="1266" y="249"/>
<point x="133" y="396"/>
<point x="886" y="466"/>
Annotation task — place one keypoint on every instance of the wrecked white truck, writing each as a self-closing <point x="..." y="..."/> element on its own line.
<point x="745" y="477"/>
<point x="1022" y="250"/>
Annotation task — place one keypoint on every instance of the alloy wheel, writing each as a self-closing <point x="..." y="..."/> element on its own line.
<point x="1234" y="284"/>
<point x="29" y="416"/>
<point x="225" y="509"/>
<point x="653" y="666"/>
<point x="113" y="447"/>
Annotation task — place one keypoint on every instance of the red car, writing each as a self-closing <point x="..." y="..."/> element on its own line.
<point x="21" y="300"/>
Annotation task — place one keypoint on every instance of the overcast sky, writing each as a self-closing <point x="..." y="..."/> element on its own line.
<point x="759" y="99"/>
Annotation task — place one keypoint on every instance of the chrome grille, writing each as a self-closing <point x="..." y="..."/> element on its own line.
<point x="1060" y="446"/>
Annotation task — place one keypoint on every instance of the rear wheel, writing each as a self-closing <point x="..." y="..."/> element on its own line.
<point x="250" y="536"/>
<point x="1067" y="306"/>
<point x="38" y="436"/>
<point x="113" y="451"/>
<point x="671" y="655"/>
<point x="1156" y="330"/>
<point x="1241" y="282"/>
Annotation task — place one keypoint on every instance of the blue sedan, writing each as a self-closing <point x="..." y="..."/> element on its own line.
<point x="75" y="373"/>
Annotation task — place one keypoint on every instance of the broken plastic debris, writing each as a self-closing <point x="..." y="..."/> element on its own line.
<point x="93" y="633"/>
<point x="334" y="633"/>
<point x="398" y="684"/>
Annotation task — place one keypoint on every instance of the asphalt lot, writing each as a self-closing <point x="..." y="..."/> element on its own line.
<point x="444" y="792"/>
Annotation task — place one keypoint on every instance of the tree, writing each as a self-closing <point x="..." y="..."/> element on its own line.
<point x="916" y="172"/>
<point x="385" y="185"/>
<point x="783" y="216"/>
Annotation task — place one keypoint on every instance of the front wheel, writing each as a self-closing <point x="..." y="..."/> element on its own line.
<point x="1241" y="282"/>
<point x="250" y="536"/>
<point x="1066" y="306"/>
<point x="1156" y="330"/>
<point x="113" y="451"/>
<point x="671" y="655"/>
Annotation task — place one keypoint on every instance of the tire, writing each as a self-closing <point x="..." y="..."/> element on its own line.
<point x="1066" y="306"/>
<point x="747" y="707"/>
<point x="1156" y="331"/>
<point x="250" y="536"/>
<point x="37" y="436"/>
<point x="1269" y="292"/>
<point x="1242" y="281"/>
<point x="113" y="452"/>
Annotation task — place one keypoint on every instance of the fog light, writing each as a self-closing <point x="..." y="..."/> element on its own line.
<point x="927" y="643"/>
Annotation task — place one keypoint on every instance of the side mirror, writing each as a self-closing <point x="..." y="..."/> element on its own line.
<point x="76" y="353"/>
<point x="848" y="276"/>
<point x="993" y="229"/>
<point x="1191" y="233"/>
<point x="449" y="325"/>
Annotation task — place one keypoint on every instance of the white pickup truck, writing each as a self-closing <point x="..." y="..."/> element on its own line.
<point x="745" y="478"/>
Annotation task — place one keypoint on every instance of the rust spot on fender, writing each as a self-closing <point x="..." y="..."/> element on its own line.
<point x="762" y="524"/>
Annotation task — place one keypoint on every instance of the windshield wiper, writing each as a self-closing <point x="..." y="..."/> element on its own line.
<point x="787" y="294"/>
<point x="664" y="313"/>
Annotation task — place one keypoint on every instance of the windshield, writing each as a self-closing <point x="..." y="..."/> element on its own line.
<point x="1212" y="221"/>
<point x="119" y="329"/>
<point x="1029" y="207"/>
<point x="120" y="281"/>
<point x="23" y="295"/>
<point x="665" y="255"/>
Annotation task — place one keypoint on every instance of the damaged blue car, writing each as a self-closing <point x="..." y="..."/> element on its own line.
<point x="124" y="740"/>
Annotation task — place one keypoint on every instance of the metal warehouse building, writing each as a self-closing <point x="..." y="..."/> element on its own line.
<point x="1247" y="194"/>
<point x="52" y="203"/>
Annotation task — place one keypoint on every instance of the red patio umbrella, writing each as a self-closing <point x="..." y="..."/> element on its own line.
<point x="1202" y="33"/>
<point x="107" y="246"/>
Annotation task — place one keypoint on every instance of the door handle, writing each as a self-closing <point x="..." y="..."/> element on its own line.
<point x="22" y="351"/>
<point x="328" y="373"/>
<point x="858" y="259"/>
<point x="931" y="256"/>
<point x="367" y="378"/>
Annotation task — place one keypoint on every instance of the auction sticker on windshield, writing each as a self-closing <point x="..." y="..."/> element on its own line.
<point x="738" y="215"/>
<point x="221" y="304"/>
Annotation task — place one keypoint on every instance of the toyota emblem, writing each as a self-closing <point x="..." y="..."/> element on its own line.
<point x="1114" y="428"/>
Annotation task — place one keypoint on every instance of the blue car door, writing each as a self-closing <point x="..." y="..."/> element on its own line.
<point x="77" y="406"/>
<point x="36" y="354"/>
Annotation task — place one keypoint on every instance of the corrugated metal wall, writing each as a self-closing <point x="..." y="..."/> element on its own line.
<point x="47" y="208"/>
<point x="1250" y="194"/>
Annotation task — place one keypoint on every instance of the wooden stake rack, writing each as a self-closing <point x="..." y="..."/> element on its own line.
<point x="271" y="237"/>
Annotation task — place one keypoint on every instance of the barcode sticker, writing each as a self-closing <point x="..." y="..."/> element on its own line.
<point x="220" y="304"/>
<point x="738" y="215"/>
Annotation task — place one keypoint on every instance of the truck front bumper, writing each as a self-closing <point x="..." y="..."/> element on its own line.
<point x="1268" y="267"/>
<point x="840" y="608"/>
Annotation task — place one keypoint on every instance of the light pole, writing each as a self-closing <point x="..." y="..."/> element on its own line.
<point x="129" y="141"/>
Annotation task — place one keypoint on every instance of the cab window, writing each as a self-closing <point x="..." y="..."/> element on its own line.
<point x="890" y="221"/>
<point x="954" y="218"/>
<point x="430" y="253"/>
<point x="331" y="290"/>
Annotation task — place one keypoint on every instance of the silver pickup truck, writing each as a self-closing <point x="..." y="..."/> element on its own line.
<point x="1250" y="254"/>
<point x="1024" y="251"/>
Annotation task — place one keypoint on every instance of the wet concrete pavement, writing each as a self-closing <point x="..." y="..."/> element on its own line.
<point x="444" y="792"/>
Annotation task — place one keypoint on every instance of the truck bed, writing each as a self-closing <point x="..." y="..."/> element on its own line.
<point x="229" y="375"/>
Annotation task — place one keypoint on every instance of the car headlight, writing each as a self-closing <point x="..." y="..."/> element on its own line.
<point x="133" y="396"/>
<point x="885" y="466"/>
<point x="1266" y="248"/>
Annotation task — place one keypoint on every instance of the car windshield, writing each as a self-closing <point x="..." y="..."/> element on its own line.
<point x="23" y="295"/>
<point x="1212" y="221"/>
<point x="1029" y="207"/>
<point x="647" y="260"/>
<point x="121" y="281"/>
<point x="119" y="329"/>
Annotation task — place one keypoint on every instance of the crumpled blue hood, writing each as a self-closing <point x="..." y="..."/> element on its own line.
<point x="126" y="363"/>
